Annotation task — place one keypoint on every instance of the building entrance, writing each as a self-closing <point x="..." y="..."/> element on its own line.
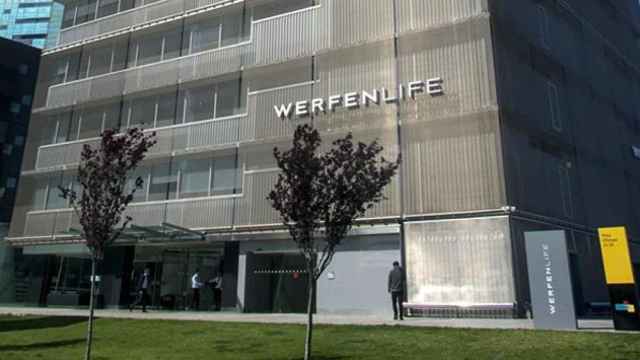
<point x="276" y="283"/>
<point x="172" y="270"/>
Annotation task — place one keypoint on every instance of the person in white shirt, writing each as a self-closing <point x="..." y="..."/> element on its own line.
<point x="196" y="284"/>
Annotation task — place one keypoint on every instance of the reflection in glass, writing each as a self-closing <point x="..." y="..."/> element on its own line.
<point x="163" y="184"/>
<point x="194" y="178"/>
<point x="224" y="176"/>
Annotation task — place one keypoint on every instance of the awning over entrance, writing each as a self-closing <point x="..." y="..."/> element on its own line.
<point x="164" y="232"/>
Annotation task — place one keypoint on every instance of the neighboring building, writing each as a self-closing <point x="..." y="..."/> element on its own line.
<point x="537" y="128"/>
<point x="18" y="74"/>
<point x="32" y="22"/>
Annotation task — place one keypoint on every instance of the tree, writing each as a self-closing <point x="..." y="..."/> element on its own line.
<point x="104" y="196"/>
<point x="320" y="195"/>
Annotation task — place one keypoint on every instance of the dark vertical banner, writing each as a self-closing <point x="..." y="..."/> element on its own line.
<point x="621" y="282"/>
<point x="550" y="280"/>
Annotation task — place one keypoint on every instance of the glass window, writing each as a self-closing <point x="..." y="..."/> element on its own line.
<point x="166" y="110"/>
<point x="74" y="127"/>
<point x="100" y="62"/>
<point x="107" y="7"/>
<point x="198" y="103"/>
<point x="112" y="117"/>
<point x="54" y="200"/>
<point x="74" y="64"/>
<point x="39" y="194"/>
<point x="84" y="64"/>
<point x="119" y="55"/>
<point x="45" y="132"/>
<point x="86" y="11"/>
<point x="63" y="123"/>
<point x="276" y="8"/>
<point x="225" y="176"/>
<point x="58" y="75"/>
<point x="141" y="193"/>
<point x="90" y="123"/>
<point x="194" y="178"/>
<point x="228" y="98"/>
<point x="76" y="186"/>
<point x="142" y="112"/>
<point x="232" y="29"/>
<point x="69" y="15"/>
<point x="73" y="274"/>
<point x="172" y="41"/>
<point x="126" y="4"/>
<point x="132" y="53"/>
<point x="203" y="36"/>
<point x="163" y="184"/>
<point x="149" y="50"/>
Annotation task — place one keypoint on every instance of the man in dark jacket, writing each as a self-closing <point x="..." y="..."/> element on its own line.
<point x="144" y="282"/>
<point x="396" y="289"/>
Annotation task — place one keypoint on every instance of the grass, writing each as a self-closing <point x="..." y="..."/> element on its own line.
<point x="63" y="338"/>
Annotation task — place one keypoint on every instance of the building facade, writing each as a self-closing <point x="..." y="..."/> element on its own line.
<point x="32" y="22"/>
<point x="493" y="112"/>
<point x="18" y="74"/>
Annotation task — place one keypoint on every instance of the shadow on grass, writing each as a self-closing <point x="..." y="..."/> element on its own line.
<point x="39" y="323"/>
<point x="42" y="345"/>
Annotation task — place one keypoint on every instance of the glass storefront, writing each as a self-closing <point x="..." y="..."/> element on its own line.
<point x="62" y="279"/>
<point x="172" y="269"/>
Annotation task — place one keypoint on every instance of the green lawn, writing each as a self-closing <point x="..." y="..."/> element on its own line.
<point x="63" y="338"/>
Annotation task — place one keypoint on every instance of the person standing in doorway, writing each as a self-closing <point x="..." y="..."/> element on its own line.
<point x="216" y="286"/>
<point x="142" y="289"/>
<point x="196" y="285"/>
<point x="396" y="289"/>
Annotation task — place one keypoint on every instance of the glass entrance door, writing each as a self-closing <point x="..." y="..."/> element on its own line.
<point x="172" y="269"/>
<point x="179" y="265"/>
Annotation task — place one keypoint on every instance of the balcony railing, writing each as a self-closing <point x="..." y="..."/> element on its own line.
<point x="212" y="212"/>
<point x="261" y="121"/>
<point x="165" y="73"/>
<point x="275" y="39"/>
<point x="258" y="123"/>
<point x="134" y="18"/>
<point x="209" y="134"/>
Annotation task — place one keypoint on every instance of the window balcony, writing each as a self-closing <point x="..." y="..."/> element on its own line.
<point x="203" y="65"/>
<point x="175" y="139"/>
<point x="257" y="123"/>
<point x="212" y="212"/>
<point x="277" y="39"/>
<point x="135" y="18"/>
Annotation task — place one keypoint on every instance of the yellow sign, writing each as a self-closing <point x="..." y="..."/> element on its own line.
<point x="615" y="255"/>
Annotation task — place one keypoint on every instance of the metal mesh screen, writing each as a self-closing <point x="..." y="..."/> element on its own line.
<point x="290" y="52"/>
<point x="459" y="262"/>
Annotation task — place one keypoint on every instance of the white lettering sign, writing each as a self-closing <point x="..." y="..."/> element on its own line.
<point x="354" y="100"/>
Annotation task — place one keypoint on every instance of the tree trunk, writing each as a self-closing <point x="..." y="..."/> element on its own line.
<point x="87" y="355"/>
<point x="310" y="301"/>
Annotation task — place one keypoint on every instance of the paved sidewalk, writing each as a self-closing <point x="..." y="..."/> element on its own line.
<point x="297" y="318"/>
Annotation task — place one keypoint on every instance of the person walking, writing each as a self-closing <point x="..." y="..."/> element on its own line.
<point x="196" y="285"/>
<point x="395" y="287"/>
<point x="142" y="289"/>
